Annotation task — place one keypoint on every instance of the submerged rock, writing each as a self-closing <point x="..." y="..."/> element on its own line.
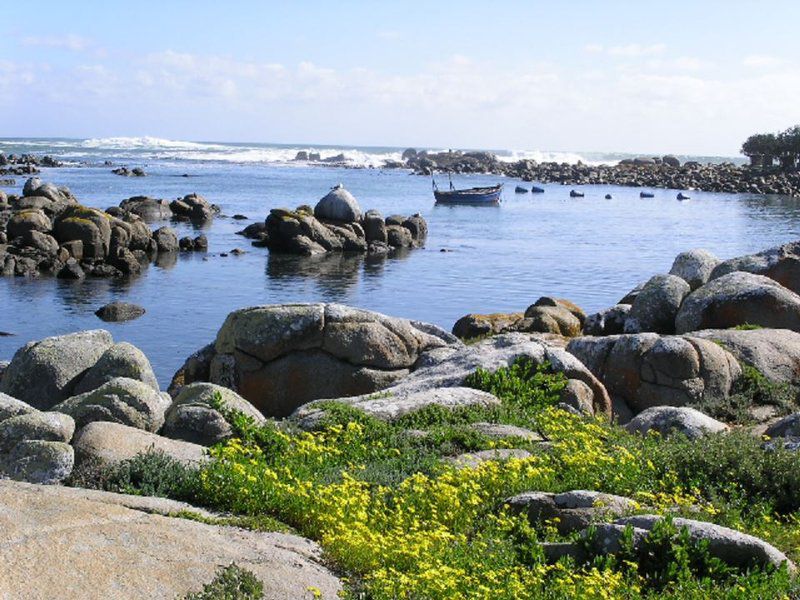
<point x="119" y="311"/>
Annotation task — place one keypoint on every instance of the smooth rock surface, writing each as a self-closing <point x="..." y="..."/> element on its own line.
<point x="694" y="267"/>
<point x="120" y="360"/>
<point x="45" y="426"/>
<point x="128" y="554"/>
<point x="655" y="307"/>
<point x="667" y="420"/>
<point x="38" y="461"/>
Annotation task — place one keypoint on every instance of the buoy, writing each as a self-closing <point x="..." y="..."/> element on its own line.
<point x="537" y="190"/>
<point x="681" y="196"/>
<point x="574" y="194"/>
<point x="646" y="195"/>
<point x="608" y="196"/>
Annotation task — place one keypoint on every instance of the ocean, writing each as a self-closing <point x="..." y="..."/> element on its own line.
<point x="477" y="259"/>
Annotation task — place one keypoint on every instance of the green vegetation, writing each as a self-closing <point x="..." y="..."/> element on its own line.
<point x="747" y="327"/>
<point x="231" y="583"/>
<point x="764" y="148"/>
<point x="399" y="521"/>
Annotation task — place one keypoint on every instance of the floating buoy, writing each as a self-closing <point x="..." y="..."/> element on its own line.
<point x="646" y="195"/>
<point x="520" y="190"/>
<point x="574" y="194"/>
<point x="682" y="196"/>
<point x="537" y="190"/>
<point x="608" y="196"/>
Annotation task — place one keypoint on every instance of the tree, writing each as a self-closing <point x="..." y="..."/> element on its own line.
<point x="789" y="147"/>
<point x="761" y="149"/>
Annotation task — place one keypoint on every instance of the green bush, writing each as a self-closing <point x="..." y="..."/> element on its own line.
<point x="231" y="583"/>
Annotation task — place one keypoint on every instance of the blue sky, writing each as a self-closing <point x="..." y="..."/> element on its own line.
<point x="686" y="77"/>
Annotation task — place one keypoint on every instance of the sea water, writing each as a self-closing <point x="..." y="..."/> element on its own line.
<point x="477" y="259"/>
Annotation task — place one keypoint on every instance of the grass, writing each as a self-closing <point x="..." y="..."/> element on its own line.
<point x="401" y="523"/>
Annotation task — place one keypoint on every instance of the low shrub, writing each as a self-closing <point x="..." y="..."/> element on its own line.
<point x="231" y="583"/>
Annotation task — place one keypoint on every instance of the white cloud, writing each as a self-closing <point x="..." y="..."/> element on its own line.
<point x="594" y="48"/>
<point x="762" y="61"/>
<point x="637" y="50"/>
<point x="70" y="41"/>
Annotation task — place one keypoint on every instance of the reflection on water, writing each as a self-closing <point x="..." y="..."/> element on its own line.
<point x="590" y="250"/>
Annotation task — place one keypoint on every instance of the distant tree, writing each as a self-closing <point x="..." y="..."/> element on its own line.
<point x="761" y="149"/>
<point x="789" y="147"/>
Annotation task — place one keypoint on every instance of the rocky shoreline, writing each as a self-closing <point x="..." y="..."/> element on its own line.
<point x="666" y="361"/>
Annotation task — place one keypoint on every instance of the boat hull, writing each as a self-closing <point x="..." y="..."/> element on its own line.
<point x="474" y="196"/>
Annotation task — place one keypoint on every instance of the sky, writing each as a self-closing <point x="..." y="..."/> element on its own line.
<point x="685" y="77"/>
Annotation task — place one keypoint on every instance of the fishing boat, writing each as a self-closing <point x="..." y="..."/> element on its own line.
<point x="478" y="196"/>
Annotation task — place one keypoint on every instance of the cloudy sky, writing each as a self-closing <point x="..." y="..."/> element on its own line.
<point x="685" y="77"/>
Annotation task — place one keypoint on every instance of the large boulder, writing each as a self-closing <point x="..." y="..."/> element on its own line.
<point x="441" y="372"/>
<point x="110" y="443"/>
<point x="120" y="360"/>
<point x="46" y="372"/>
<point x="58" y="542"/>
<point x="736" y="299"/>
<point x="655" y="307"/>
<point x="694" y="267"/>
<point x="148" y="209"/>
<point x="166" y="239"/>
<point x="46" y="426"/>
<point x="774" y="352"/>
<point x="38" y="461"/>
<point x="728" y="545"/>
<point x="646" y="369"/>
<point x="338" y="205"/>
<point x="781" y="263"/>
<point x="609" y="321"/>
<point x="281" y="356"/>
<point x="193" y="208"/>
<point x="88" y="225"/>
<point x="570" y="511"/>
<point x="25" y="221"/>
<point x="666" y="420"/>
<point x="120" y="400"/>
<point x="552" y="315"/>
<point x="474" y="325"/>
<point x="11" y="407"/>
<point x="193" y="415"/>
<point x="119" y="311"/>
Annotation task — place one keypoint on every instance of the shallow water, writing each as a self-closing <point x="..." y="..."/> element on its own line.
<point x="589" y="250"/>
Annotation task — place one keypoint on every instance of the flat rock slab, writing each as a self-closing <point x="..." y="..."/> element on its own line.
<point x="56" y="543"/>
<point x="472" y="460"/>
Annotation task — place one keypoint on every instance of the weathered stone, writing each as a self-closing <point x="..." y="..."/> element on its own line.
<point x="166" y="239"/>
<point x="655" y="307"/>
<point x="46" y="426"/>
<point x="728" y="545"/>
<point x="610" y="321"/>
<point x="551" y="319"/>
<point x="148" y="209"/>
<point x="119" y="311"/>
<point x="645" y="370"/>
<point x="192" y="416"/>
<point x="502" y="431"/>
<point x="473" y="325"/>
<point x="25" y="221"/>
<point x="579" y="396"/>
<point x="38" y="461"/>
<point x="11" y="407"/>
<point x="736" y="299"/>
<point x="128" y="553"/>
<point x="111" y="443"/>
<point x="338" y="205"/>
<point x="120" y="400"/>
<point x="787" y="427"/>
<point x="120" y="360"/>
<point x="472" y="460"/>
<point x="667" y="420"/>
<point x="781" y="264"/>
<point x="694" y="267"/>
<point x="46" y="372"/>
<point x="571" y="511"/>
<point x="374" y="227"/>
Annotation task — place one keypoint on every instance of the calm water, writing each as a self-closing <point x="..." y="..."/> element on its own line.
<point x="590" y="250"/>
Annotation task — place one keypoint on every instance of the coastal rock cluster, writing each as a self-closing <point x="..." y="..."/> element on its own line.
<point x="656" y="172"/>
<point x="336" y="224"/>
<point x="680" y="338"/>
<point x="47" y="231"/>
<point x="25" y="164"/>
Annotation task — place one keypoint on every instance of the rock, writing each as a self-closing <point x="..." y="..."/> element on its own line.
<point x="551" y="318"/>
<point x="71" y="270"/>
<point x="774" y="352"/>
<point x="449" y="366"/>
<point x="120" y="400"/>
<point x="578" y="395"/>
<point x="655" y="307"/>
<point x="610" y="321"/>
<point x="129" y="553"/>
<point x="11" y="407"/>
<point x="46" y="426"/>
<point x="111" y="443"/>
<point x="472" y="460"/>
<point x="38" y="461"/>
<point x="574" y="510"/>
<point x="148" y="209"/>
<point x="573" y="308"/>
<point x="41" y="241"/>
<point x="120" y="360"/>
<point x="787" y="427"/>
<point x="338" y="205"/>
<point x="781" y="263"/>
<point x="736" y="299"/>
<point x="166" y="239"/>
<point x="501" y="431"/>
<point x="91" y="226"/>
<point x="631" y="296"/>
<point x="728" y="545"/>
<point x="473" y="326"/>
<point x="694" y="267"/>
<point x="31" y="185"/>
<point x="46" y="372"/>
<point x="119" y="311"/>
<point x="281" y="356"/>
<point x="374" y="227"/>
<point x="25" y="221"/>
<point x="196" y="368"/>
<point x="645" y="370"/>
<point x="192" y="417"/>
<point x="390" y="406"/>
<point x="671" y="161"/>
<point x="399" y="237"/>
<point x="193" y="208"/>
<point x="418" y="228"/>
<point x="666" y="420"/>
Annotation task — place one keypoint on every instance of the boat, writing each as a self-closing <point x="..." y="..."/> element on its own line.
<point x="478" y="196"/>
<point x="682" y="196"/>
